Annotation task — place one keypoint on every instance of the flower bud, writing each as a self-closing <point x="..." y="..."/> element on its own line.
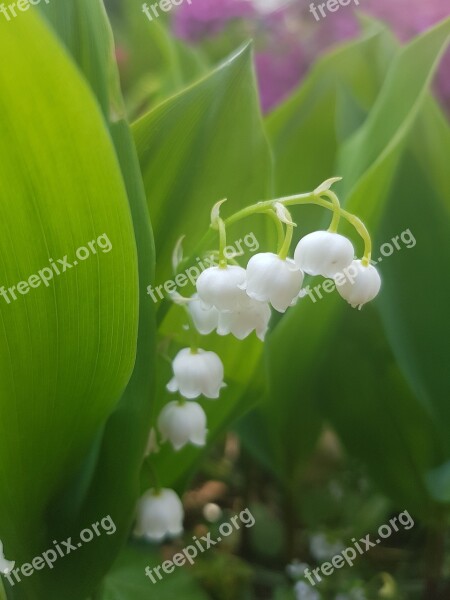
<point x="195" y="373"/>
<point x="205" y="318"/>
<point x="273" y="279"/>
<point x="160" y="514"/>
<point x="218" y="286"/>
<point x="358" y="284"/>
<point x="183" y="423"/>
<point x="252" y="316"/>
<point x="324" y="253"/>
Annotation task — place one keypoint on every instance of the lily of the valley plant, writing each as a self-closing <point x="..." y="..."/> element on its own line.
<point x="234" y="300"/>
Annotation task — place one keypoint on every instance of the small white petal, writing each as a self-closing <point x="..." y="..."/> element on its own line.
<point x="218" y="287"/>
<point x="205" y="319"/>
<point x="197" y="373"/>
<point x="159" y="515"/>
<point x="183" y="423"/>
<point x="272" y="279"/>
<point x="253" y="316"/>
<point x="358" y="284"/>
<point x="324" y="253"/>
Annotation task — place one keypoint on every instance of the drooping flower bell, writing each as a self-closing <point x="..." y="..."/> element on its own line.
<point x="252" y="316"/>
<point x="160" y="514"/>
<point x="273" y="279"/>
<point x="358" y="284"/>
<point x="218" y="287"/>
<point x="6" y="566"/>
<point x="181" y="423"/>
<point x="324" y="253"/>
<point x="206" y="318"/>
<point x="197" y="372"/>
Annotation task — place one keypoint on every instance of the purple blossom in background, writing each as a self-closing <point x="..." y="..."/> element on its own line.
<point x="288" y="40"/>
<point x="203" y="18"/>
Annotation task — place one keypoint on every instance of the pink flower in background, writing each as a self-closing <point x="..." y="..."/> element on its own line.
<point x="204" y="18"/>
<point x="288" y="40"/>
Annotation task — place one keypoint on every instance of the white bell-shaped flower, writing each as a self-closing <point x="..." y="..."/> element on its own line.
<point x="218" y="287"/>
<point x="205" y="318"/>
<point x="6" y="566"/>
<point x="252" y="316"/>
<point x="273" y="279"/>
<point x="358" y="284"/>
<point x="324" y="253"/>
<point x="160" y="514"/>
<point x="304" y="591"/>
<point x="195" y="373"/>
<point x="181" y="423"/>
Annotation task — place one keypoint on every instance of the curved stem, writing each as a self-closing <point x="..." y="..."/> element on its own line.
<point x="192" y="330"/>
<point x="363" y="232"/>
<point x="154" y="477"/>
<point x="337" y="210"/>
<point x="222" y="243"/>
<point x="279" y="226"/>
<point x="284" y="251"/>
<point x="299" y="199"/>
<point x="310" y="198"/>
<point x="264" y="206"/>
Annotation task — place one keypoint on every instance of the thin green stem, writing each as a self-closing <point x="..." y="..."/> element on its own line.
<point x="264" y="206"/>
<point x="222" y="243"/>
<point x="287" y="242"/>
<point x="310" y="198"/>
<point x="337" y="210"/>
<point x="193" y="334"/>
<point x="279" y="226"/>
<point x="154" y="477"/>
<point x="363" y="232"/>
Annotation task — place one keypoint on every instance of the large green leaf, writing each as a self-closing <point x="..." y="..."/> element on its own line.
<point x="84" y="29"/>
<point x="415" y="303"/>
<point x="68" y="349"/>
<point x="376" y="414"/>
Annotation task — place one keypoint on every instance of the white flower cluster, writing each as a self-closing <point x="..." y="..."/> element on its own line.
<point x="232" y="300"/>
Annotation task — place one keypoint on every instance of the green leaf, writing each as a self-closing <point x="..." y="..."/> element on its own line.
<point x="376" y="414"/>
<point x="68" y="350"/>
<point x="156" y="64"/>
<point x="416" y="296"/>
<point x="84" y="28"/>
<point x="128" y="579"/>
